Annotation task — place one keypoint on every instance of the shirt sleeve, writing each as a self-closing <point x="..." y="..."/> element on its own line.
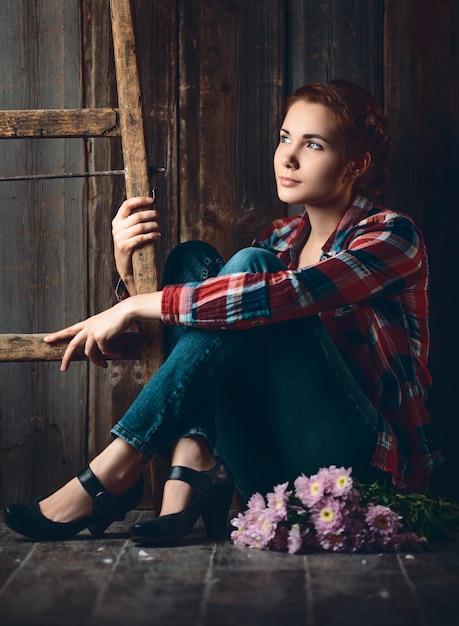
<point x="381" y="255"/>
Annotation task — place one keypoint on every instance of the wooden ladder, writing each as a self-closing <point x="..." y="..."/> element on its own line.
<point x="125" y="121"/>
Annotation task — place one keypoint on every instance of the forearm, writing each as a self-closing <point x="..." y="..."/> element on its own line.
<point x="129" y="283"/>
<point x="143" y="306"/>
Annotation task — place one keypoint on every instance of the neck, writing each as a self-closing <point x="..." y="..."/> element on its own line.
<point x="323" y="222"/>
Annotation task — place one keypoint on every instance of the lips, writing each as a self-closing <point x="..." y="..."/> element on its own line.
<point x="288" y="182"/>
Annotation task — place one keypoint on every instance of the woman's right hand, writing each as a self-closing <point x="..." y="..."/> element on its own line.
<point x="134" y="225"/>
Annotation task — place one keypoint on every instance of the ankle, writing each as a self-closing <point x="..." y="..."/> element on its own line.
<point x="118" y="467"/>
<point x="193" y="452"/>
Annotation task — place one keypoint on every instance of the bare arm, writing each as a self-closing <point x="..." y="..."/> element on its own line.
<point x="135" y="224"/>
<point x="95" y="333"/>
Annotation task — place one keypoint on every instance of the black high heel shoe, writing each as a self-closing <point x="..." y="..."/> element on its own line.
<point x="212" y="494"/>
<point x="26" y="518"/>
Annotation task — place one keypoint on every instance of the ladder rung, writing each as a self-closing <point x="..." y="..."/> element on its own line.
<point x="41" y="123"/>
<point x="31" y="347"/>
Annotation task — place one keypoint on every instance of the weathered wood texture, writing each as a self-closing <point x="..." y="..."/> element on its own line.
<point x="231" y="81"/>
<point x="213" y="77"/>
<point x="111" y="582"/>
<point x="421" y="94"/>
<point x="43" y="241"/>
<point x="59" y="123"/>
<point x="32" y="347"/>
<point x="335" y="39"/>
<point x="111" y="393"/>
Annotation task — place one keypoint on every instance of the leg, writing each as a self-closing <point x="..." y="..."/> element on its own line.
<point x="309" y="411"/>
<point x="118" y="467"/>
<point x="120" y="463"/>
<point x="166" y="409"/>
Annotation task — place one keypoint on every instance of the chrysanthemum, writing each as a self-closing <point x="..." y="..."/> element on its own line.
<point x="262" y="528"/>
<point x="327" y="515"/>
<point x="382" y="521"/>
<point x="332" y="542"/>
<point x="277" y="501"/>
<point x="309" y="490"/>
<point x="254" y="528"/>
<point x="256" y="502"/>
<point x="239" y="536"/>
<point x="340" y="481"/>
<point x="294" y="541"/>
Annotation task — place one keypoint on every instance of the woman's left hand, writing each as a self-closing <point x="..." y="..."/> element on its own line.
<point x="94" y="335"/>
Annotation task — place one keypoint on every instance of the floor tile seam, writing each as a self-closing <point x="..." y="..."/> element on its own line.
<point x="208" y="580"/>
<point x="414" y="593"/>
<point x="16" y="572"/>
<point x="108" y="579"/>
<point x="309" y="598"/>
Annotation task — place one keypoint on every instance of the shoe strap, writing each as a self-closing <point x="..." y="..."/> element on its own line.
<point x="90" y="482"/>
<point x="105" y="503"/>
<point x="198" y="480"/>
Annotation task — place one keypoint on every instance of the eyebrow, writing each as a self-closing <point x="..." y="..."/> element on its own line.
<point x="308" y="135"/>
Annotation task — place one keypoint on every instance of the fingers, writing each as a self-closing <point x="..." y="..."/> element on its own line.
<point x="92" y="350"/>
<point x="131" y="230"/>
<point x="93" y="336"/>
<point x="132" y="204"/>
<point x="65" y="333"/>
<point x="144" y="222"/>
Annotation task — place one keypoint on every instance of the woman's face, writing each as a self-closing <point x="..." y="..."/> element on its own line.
<point x="308" y="162"/>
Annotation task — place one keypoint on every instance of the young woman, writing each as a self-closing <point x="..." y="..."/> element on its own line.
<point x="305" y="350"/>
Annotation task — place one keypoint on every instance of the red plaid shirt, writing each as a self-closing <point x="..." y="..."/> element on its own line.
<point x="370" y="290"/>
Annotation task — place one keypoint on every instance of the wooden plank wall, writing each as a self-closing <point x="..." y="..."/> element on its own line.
<point x="43" y="243"/>
<point x="213" y="75"/>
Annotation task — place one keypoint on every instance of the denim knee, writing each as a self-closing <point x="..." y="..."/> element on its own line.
<point x="191" y="261"/>
<point x="253" y="260"/>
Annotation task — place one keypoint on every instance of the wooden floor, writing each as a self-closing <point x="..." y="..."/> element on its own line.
<point x="110" y="582"/>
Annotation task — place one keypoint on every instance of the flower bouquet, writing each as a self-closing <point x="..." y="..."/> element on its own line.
<point x="327" y="512"/>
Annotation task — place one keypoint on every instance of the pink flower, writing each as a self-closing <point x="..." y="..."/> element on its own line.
<point x="256" y="502"/>
<point x="333" y="542"/>
<point x="295" y="539"/>
<point x="277" y="501"/>
<point x="339" y="481"/>
<point x="239" y="536"/>
<point x="382" y="521"/>
<point x="255" y="528"/>
<point x="327" y="516"/>
<point x="309" y="490"/>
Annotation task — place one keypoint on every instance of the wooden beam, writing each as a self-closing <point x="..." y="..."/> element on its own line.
<point x="54" y="123"/>
<point x="136" y="170"/>
<point x="135" y="165"/>
<point x="31" y="347"/>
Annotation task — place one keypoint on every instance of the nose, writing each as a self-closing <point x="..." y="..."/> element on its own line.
<point x="289" y="160"/>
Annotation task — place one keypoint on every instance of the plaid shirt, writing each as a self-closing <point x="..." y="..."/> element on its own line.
<point x="370" y="290"/>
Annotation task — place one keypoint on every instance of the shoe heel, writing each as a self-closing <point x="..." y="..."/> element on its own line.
<point x="215" y="517"/>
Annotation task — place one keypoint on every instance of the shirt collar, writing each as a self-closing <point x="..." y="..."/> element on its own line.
<point x="358" y="210"/>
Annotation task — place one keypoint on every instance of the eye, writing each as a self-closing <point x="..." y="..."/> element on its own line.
<point x="284" y="138"/>
<point x="314" y="145"/>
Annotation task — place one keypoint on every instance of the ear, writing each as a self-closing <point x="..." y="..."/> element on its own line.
<point x="360" y="167"/>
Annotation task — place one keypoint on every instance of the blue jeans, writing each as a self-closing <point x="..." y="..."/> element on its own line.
<point x="273" y="401"/>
